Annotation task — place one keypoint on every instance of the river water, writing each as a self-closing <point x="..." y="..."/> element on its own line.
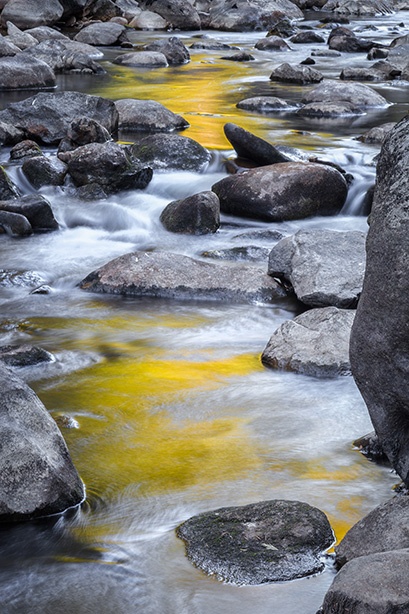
<point x="165" y="406"/>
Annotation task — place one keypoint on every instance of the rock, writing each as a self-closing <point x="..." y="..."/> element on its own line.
<point x="376" y="583"/>
<point x="171" y="151"/>
<point x="240" y="56"/>
<point x="366" y="8"/>
<point x="380" y="71"/>
<point x="38" y="475"/>
<point x="15" y="225"/>
<point x="24" y="72"/>
<point x="129" y="8"/>
<point x="324" y="267"/>
<point x="343" y="39"/>
<point x="284" y="27"/>
<point x="292" y="73"/>
<point x="340" y="98"/>
<point x="8" y="189"/>
<point x="147" y="20"/>
<point x="151" y="59"/>
<point x="85" y="130"/>
<point x="252" y="147"/>
<point x="67" y="56"/>
<point x="198" y="214"/>
<point x="47" y="117"/>
<point x="243" y="15"/>
<point x="31" y="14"/>
<point x="147" y="116"/>
<point x="270" y="541"/>
<point x="9" y="134"/>
<point x="266" y="104"/>
<point x="103" y="34"/>
<point x="325" y="53"/>
<point x="179" y="14"/>
<point x="247" y="253"/>
<point x="106" y="164"/>
<point x="35" y="208"/>
<point x="378" y="347"/>
<point x="17" y="37"/>
<point x="102" y="10"/>
<point x="307" y="36"/>
<point x="25" y="149"/>
<point x="45" y="33"/>
<point x="284" y="191"/>
<point x="210" y="43"/>
<point x="377" y="134"/>
<point x="272" y="43"/>
<point x="370" y="447"/>
<point x="314" y="343"/>
<point x="73" y="7"/>
<point x="23" y="355"/>
<point x="172" y="48"/>
<point x="7" y="48"/>
<point x="167" y="275"/>
<point x="44" y="170"/>
<point x="262" y="235"/>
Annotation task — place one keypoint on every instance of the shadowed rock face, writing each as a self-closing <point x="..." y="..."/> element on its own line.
<point x="380" y="335"/>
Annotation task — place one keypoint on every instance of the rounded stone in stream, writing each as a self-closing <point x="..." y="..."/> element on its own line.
<point x="197" y="214"/>
<point x="266" y="104"/>
<point x="171" y="151"/>
<point x="298" y="74"/>
<point x="147" y="116"/>
<point x="252" y="147"/>
<point x="270" y="541"/>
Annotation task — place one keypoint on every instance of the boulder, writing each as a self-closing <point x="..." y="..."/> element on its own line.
<point x="380" y="71"/>
<point x="147" y="116"/>
<point x="17" y="37"/>
<point x="172" y="48"/>
<point x="44" y="170"/>
<point x="171" y="151"/>
<point x="283" y="27"/>
<point x="38" y="477"/>
<point x="296" y="73"/>
<point x="314" y="343"/>
<point x="101" y="33"/>
<point x="31" y="14"/>
<point x="9" y="134"/>
<point x="64" y="56"/>
<point x="47" y="117"/>
<point x="340" y="98"/>
<point x="7" y="47"/>
<point x="254" y="15"/>
<point x="378" y="346"/>
<point x="35" y="208"/>
<point x="22" y="71"/>
<point x="366" y="8"/>
<point x="45" y="33"/>
<point x="266" y="104"/>
<point x="129" y="8"/>
<point x="179" y="14"/>
<point x="272" y="43"/>
<point x="251" y="147"/>
<point x="167" y="275"/>
<point x="270" y="541"/>
<point x="107" y="165"/>
<point x="198" y="214"/>
<point x="307" y="37"/>
<point x="324" y="267"/>
<point x="15" y="225"/>
<point x="283" y="191"/>
<point x="150" y="59"/>
<point x="23" y="355"/>
<point x="147" y="20"/>
<point x="25" y="149"/>
<point x="239" y="56"/>
<point x="343" y="39"/>
<point x="8" y="189"/>
<point x="102" y="10"/>
<point x="377" y="134"/>
<point x="82" y="131"/>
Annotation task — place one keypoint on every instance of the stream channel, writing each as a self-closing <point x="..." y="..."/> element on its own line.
<point x="165" y="406"/>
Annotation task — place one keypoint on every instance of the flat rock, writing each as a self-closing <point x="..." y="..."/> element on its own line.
<point x="247" y="253"/>
<point x="270" y="541"/>
<point x="151" y="59"/>
<point x="147" y="116"/>
<point x="324" y="267"/>
<point x="171" y="151"/>
<point x="167" y="275"/>
<point x="314" y="343"/>
<point x="266" y="104"/>
<point x="356" y="94"/>
<point x="22" y="71"/>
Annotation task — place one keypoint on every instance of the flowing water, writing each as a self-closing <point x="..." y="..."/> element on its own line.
<point x="165" y="406"/>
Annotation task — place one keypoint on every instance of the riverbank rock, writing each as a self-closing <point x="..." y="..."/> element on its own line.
<point x="378" y="347"/>
<point x="284" y="191"/>
<point x="198" y="214"/>
<point x="38" y="477"/>
<point x="270" y="541"/>
<point x="147" y="116"/>
<point x="315" y="343"/>
<point x="47" y="117"/>
<point x="324" y="267"/>
<point x="171" y="151"/>
<point x="65" y="56"/>
<point x="366" y="8"/>
<point x="172" y="48"/>
<point x="296" y="73"/>
<point x="340" y="98"/>
<point x="31" y="14"/>
<point x="251" y="147"/>
<point x="243" y="15"/>
<point x="167" y="275"/>
<point x="103" y="34"/>
<point x="22" y="71"/>
<point x="179" y="14"/>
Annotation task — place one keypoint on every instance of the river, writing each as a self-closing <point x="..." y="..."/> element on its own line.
<point x="165" y="406"/>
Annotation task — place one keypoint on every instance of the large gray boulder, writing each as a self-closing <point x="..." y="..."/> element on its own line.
<point x="179" y="14"/>
<point x="171" y="151"/>
<point x="350" y="98"/>
<point x="314" y="343"/>
<point x="284" y="191"/>
<point x="31" y="14"/>
<point x="147" y="116"/>
<point x="366" y="8"/>
<point x="296" y="73"/>
<point x="67" y="56"/>
<point x="251" y="15"/>
<point x="167" y="275"/>
<point x="324" y="267"/>
<point x="23" y="71"/>
<point x="47" y="117"/>
<point x="270" y="541"/>
<point x="101" y="33"/>
<point x="198" y="214"/>
<point x="38" y="477"/>
<point x="379" y="343"/>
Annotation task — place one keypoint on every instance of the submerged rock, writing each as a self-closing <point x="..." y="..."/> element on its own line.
<point x="266" y="104"/>
<point x="147" y="116"/>
<point x="247" y="253"/>
<point x="270" y="541"/>
<point x="197" y="214"/>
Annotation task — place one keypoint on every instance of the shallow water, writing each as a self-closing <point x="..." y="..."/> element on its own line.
<point x="171" y="411"/>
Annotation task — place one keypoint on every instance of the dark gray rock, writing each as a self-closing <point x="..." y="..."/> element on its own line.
<point x="266" y="104"/>
<point x="22" y="71"/>
<point x="25" y="149"/>
<point x="47" y="117"/>
<point x="166" y="275"/>
<point x="296" y="73"/>
<point x="243" y="15"/>
<point x="8" y="189"/>
<point x="239" y="56"/>
<point x="375" y="584"/>
<point x="171" y="151"/>
<point x="66" y="56"/>
<point x="7" y="48"/>
<point x="378" y="346"/>
<point x="147" y="116"/>
<point x="252" y="147"/>
<point x="38" y="477"/>
<point x="45" y="33"/>
<point x="102" y="10"/>
<point x="380" y="71"/>
<point x="23" y="355"/>
<point x="343" y="39"/>
<point x="307" y="36"/>
<point x="9" y="134"/>
<point x="314" y="343"/>
<point x="247" y="253"/>
<point x="270" y="541"/>
<point x="44" y="170"/>
<point x="207" y="42"/>
<point x="172" y="48"/>
<point x="179" y="14"/>
<point x="14" y="224"/>
<point x="35" y="208"/>
<point x="198" y="214"/>
<point x="102" y="33"/>
<point x="284" y="191"/>
<point x="366" y="8"/>
<point x="150" y="59"/>
<point x="324" y="267"/>
<point x="347" y="98"/>
<point x="370" y="447"/>
<point x="82" y="131"/>
<point x="272" y="43"/>
<point x="284" y="27"/>
<point x="31" y="14"/>
<point x="377" y="134"/>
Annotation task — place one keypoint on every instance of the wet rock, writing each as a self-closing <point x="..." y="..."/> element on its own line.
<point x="284" y="191"/>
<point x="324" y="267"/>
<point x="24" y="355"/>
<point x="270" y="541"/>
<point x="85" y="130"/>
<point x="7" y="48"/>
<point x="343" y="39"/>
<point x="152" y="59"/>
<point x="366" y="8"/>
<point x="129" y="8"/>
<point x="8" y="189"/>
<point x="31" y="14"/>
<point x="242" y="15"/>
<point x="247" y="253"/>
<point x="147" y="116"/>
<point x="25" y="149"/>
<point x="171" y="151"/>
<point x="207" y="42"/>
<point x="44" y="170"/>
<point x="38" y="475"/>
<point x="376" y="583"/>
<point x="315" y="343"/>
<point x="103" y="34"/>
<point x="325" y="53"/>
<point x="35" y="208"/>
<point x="14" y="224"/>
<point x="198" y="214"/>
<point x="377" y="134"/>
<point x="378" y="347"/>
<point x="106" y="164"/>
<point x="64" y="56"/>
<point x="284" y="27"/>
<point x="47" y="117"/>
<point x="9" y="135"/>
<point x="179" y="14"/>
<point x="266" y="104"/>
<point x="22" y="71"/>
<point x="307" y="36"/>
<point x="172" y="48"/>
<point x="172" y="276"/>
<point x="370" y="447"/>
<point x="380" y="71"/>
<point x="147" y="20"/>
<point x="262" y="235"/>
<point x="272" y="43"/>
<point x="293" y="73"/>
<point x="251" y="147"/>
<point x="240" y="56"/>
<point x="332" y="98"/>
<point x="19" y="38"/>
